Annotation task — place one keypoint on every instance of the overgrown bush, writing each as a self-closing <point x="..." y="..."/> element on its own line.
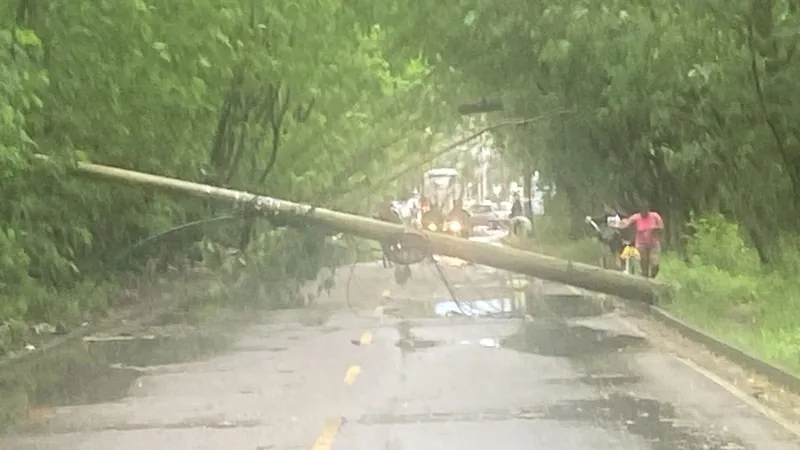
<point x="724" y="289"/>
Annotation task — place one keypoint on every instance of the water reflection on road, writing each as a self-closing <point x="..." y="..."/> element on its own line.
<point x="569" y="376"/>
<point x="474" y="308"/>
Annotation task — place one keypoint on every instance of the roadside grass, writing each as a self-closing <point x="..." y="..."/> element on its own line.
<point x="722" y="289"/>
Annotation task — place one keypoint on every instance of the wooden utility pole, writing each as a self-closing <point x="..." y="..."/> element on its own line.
<point x="515" y="260"/>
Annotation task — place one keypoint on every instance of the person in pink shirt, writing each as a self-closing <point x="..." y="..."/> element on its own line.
<point x="649" y="227"/>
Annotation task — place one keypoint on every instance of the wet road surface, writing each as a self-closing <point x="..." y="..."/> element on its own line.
<point x="400" y="377"/>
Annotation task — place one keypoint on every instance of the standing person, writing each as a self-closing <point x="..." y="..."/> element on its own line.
<point x="609" y="218"/>
<point x="516" y="207"/>
<point x="520" y="225"/>
<point x="610" y="234"/>
<point x="649" y="229"/>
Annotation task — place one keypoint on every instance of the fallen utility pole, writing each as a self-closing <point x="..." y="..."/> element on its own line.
<point x="515" y="260"/>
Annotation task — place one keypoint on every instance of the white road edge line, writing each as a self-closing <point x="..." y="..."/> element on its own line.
<point x="731" y="388"/>
<point x="741" y="395"/>
<point x="724" y="384"/>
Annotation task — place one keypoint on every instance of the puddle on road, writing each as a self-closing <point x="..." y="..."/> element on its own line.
<point x="414" y="344"/>
<point x="654" y="422"/>
<point x="649" y="419"/>
<point x="158" y="351"/>
<point x="474" y="308"/>
<point x="410" y="343"/>
<point x="556" y="338"/>
<point x="601" y="355"/>
<point x="92" y="372"/>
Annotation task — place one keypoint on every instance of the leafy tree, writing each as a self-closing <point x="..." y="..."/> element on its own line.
<point x="651" y="102"/>
<point x="688" y="105"/>
<point x="295" y="100"/>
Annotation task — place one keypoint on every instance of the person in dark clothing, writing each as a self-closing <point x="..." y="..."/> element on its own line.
<point x="610" y="235"/>
<point x="516" y="208"/>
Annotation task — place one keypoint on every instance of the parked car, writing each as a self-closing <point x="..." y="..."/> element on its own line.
<point x="485" y="214"/>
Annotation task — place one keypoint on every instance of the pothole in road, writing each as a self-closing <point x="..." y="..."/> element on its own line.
<point x="556" y="338"/>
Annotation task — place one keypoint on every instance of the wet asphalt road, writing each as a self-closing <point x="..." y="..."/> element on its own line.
<point x="399" y="377"/>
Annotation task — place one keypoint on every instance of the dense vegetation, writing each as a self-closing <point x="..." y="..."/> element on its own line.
<point x="293" y="100"/>
<point x="687" y="104"/>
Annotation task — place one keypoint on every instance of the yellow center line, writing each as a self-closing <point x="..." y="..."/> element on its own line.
<point x="328" y="434"/>
<point x="352" y="373"/>
<point x="366" y="338"/>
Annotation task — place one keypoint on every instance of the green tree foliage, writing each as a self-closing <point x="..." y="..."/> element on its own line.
<point x="295" y="100"/>
<point x="687" y="104"/>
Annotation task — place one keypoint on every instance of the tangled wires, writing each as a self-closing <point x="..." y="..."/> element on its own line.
<point x="403" y="250"/>
<point x="407" y="248"/>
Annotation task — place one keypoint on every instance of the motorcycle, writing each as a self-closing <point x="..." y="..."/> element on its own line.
<point x="612" y="237"/>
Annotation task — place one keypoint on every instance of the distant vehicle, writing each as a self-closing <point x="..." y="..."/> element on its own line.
<point x="485" y="214"/>
<point x="442" y="186"/>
